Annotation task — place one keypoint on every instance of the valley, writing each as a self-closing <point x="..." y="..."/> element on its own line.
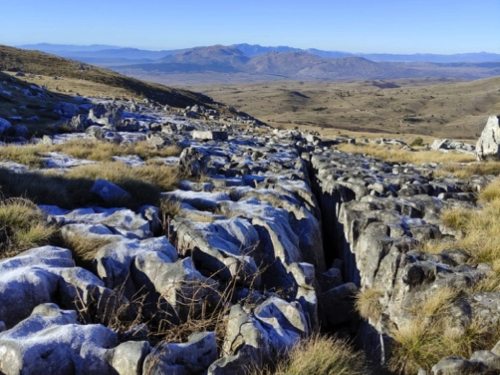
<point x="405" y="107"/>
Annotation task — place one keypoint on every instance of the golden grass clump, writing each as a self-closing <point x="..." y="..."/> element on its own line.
<point x="32" y="155"/>
<point x="437" y="303"/>
<point x="104" y="151"/>
<point x="163" y="177"/>
<point x="22" y="226"/>
<point x="73" y="188"/>
<point x="480" y="235"/>
<point x="491" y="193"/>
<point x="321" y="355"/>
<point x="415" y="346"/>
<point x="456" y="219"/>
<point x="468" y="170"/>
<point x="398" y="155"/>
<point x="84" y="249"/>
<point x="28" y="155"/>
<point x="425" y="339"/>
<point x="368" y="303"/>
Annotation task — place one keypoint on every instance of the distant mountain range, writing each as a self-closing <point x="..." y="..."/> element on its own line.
<point x="109" y="52"/>
<point x="255" y="62"/>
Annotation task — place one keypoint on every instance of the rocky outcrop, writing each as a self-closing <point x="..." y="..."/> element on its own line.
<point x="272" y="237"/>
<point x="375" y="216"/>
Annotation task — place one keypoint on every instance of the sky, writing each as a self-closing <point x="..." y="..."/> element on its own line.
<point x="364" y="26"/>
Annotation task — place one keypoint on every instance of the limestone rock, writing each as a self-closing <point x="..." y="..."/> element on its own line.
<point x="488" y="144"/>
<point x="458" y="366"/>
<point x="194" y="356"/>
<point x="109" y="192"/>
<point x="4" y="125"/>
<point x="42" y="275"/>
<point x="67" y="110"/>
<point x="209" y="135"/>
<point x="79" y="123"/>
<point x="52" y="340"/>
<point x="108" y="115"/>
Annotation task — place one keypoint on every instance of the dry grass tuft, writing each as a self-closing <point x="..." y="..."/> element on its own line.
<point x="104" y="151"/>
<point x="398" y="155"/>
<point x="430" y="334"/>
<point x="84" y="249"/>
<point x="368" y="303"/>
<point x="422" y="343"/>
<point x="480" y="236"/>
<point x="416" y="346"/>
<point x="28" y="155"/>
<point x="22" y="226"/>
<point x="456" y="219"/>
<point x="169" y="208"/>
<point x="32" y="155"/>
<point x="73" y="188"/>
<point x="437" y="303"/>
<point x="488" y="284"/>
<point x="320" y="355"/>
<point x="466" y="171"/>
<point x="491" y="193"/>
<point x="132" y="179"/>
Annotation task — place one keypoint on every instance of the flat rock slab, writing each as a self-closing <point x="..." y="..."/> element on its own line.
<point x="209" y="135"/>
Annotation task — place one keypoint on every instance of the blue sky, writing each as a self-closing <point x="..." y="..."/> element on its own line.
<point x="404" y="26"/>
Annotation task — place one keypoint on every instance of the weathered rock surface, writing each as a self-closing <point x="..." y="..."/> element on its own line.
<point x="263" y="214"/>
<point x="42" y="275"/>
<point x="51" y="340"/>
<point x="488" y="144"/>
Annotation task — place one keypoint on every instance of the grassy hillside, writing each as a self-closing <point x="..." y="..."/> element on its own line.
<point x="407" y="106"/>
<point x="39" y="63"/>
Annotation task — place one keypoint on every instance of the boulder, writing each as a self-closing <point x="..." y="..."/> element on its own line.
<point x="43" y="275"/>
<point x="67" y="110"/>
<point x="4" y="125"/>
<point x="151" y="267"/>
<point x="224" y="247"/>
<point x="246" y="345"/>
<point x="177" y="288"/>
<point x="209" y="135"/>
<point x="108" y="114"/>
<point x="284" y="322"/>
<point x="100" y="221"/>
<point x="194" y="356"/>
<point x="79" y="123"/>
<point x="440" y="144"/>
<point x="458" y="366"/>
<point x="488" y="144"/>
<point x="194" y="161"/>
<point x="115" y="262"/>
<point x="109" y="192"/>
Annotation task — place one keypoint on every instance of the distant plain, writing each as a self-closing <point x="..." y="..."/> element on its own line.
<point x="397" y="107"/>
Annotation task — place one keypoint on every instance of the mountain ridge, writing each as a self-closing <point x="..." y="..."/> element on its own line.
<point x="256" y="49"/>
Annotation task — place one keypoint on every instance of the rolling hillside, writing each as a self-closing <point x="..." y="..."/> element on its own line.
<point x="39" y="63"/>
